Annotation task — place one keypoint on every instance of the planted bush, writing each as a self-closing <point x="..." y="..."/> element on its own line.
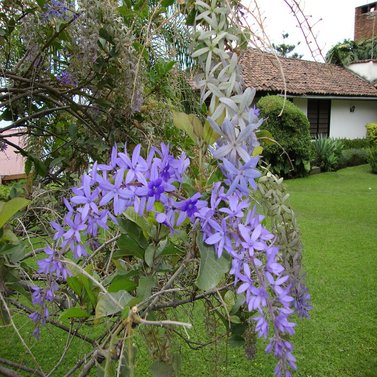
<point x="291" y="154"/>
<point x="372" y="159"/>
<point x="327" y="153"/>
<point x="353" y="157"/>
<point x="372" y="140"/>
<point x="360" y="143"/>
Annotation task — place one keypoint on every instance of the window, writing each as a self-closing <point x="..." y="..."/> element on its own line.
<point x="319" y="116"/>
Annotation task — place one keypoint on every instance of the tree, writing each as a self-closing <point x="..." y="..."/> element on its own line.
<point x="284" y="49"/>
<point x="348" y="51"/>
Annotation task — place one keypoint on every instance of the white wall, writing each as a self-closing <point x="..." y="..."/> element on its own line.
<point x="367" y="70"/>
<point x="302" y="104"/>
<point x="343" y="123"/>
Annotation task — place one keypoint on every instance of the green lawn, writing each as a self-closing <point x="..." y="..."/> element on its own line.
<point x="337" y="214"/>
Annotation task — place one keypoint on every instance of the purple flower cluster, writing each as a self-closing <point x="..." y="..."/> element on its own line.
<point x="229" y="224"/>
<point x="226" y="219"/>
<point x="106" y="192"/>
<point x="66" y="78"/>
<point x="61" y="9"/>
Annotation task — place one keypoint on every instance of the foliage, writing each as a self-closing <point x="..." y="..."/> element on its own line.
<point x="353" y="157"/>
<point x="327" y="152"/>
<point x="372" y="140"/>
<point x="348" y="51"/>
<point x="372" y="134"/>
<point x="290" y="155"/>
<point x="77" y="75"/>
<point x="284" y="49"/>
<point x="358" y="143"/>
<point x="372" y="158"/>
<point x="12" y="251"/>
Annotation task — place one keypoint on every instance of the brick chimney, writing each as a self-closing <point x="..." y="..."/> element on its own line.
<point x="365" y="21"/>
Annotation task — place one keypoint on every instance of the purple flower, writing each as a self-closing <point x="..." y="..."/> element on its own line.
<point x="217" y="237"/>
<point x="136" y="165"/>
<point x="52" y="264"/>
<point x="232" y="146"/>
<point x="86" y="197"/>
<point x="243" y="177"/>
<point x="120" y="194"/>
<point x="66" y="78"/>
<point x="58" y="9"/>
<point x="189" y="208"/>
<point x="251" y="238"/>
<point x="153" y="190"/>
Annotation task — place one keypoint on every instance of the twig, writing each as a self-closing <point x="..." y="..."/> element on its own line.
<point x="174" y="304"/>
<point x="19" y="366"/>
<point x="79" y="363"/>
<point x="8" y="372"/>
<point x="92" y="255"/>
<point x="164" y="323"/>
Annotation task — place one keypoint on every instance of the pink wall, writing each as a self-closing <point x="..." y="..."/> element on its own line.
<point x="11" y="163"/>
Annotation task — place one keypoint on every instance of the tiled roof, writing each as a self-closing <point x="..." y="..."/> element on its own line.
<point x="263" y="71"/>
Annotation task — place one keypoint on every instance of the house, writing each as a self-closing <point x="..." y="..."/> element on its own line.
<point x="11" y="163"/>
<point x="337" y="102"/>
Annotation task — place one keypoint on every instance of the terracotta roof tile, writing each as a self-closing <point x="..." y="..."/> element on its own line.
<point x="263" y="71"/>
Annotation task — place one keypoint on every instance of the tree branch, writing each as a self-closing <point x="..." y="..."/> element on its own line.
<point x="20" y="366"/>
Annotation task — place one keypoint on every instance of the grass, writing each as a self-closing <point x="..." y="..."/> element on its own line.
<point x="337" y="213"/>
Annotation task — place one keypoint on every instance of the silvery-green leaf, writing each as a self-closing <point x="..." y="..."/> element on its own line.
<point x="221" y="53"/>
<point x="208" y="63"/>
<point x="201" y="15"/>
<point x="219" y="37"/>
<point x="199" y="52"/>
<point x="200" y="3"/>
<point x="206" y="34"/>
<point x="218" y="112"/>
<point x="215" y="90"/>
<point x="229" y="103"/>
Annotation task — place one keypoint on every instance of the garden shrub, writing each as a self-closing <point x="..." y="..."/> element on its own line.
<point x="353" y="157"/>
<point x="372" y="158"/>
<point x="291" y="132"/>
<point x="327" y="153"/>
<point x="372" y="134"/>
<point x="4" y="192"/>
<point x="372" y="139"/>
<point x="359" y="143"/>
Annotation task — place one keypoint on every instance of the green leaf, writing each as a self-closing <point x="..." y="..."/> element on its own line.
<point x="170" y="249"/>
<point x="257" y="151"/>
<point x="167" y="3"/>
<point x="74" y="313"/>
<point x="111" y="303"/>
<point x="149" y="256"/>
<point x="209" y="134"/>
<point x="146" y="283"/>
<point x="183" y="122"/>
<point x="134" y="230"/>
<point x="121" y="283"/>
<point x="212" y="269"/>
<point x="128" y="247"/>
<point x="10" y="208"/>
<point x="140" y="221"/>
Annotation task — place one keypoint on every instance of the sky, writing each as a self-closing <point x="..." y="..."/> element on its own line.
<point x="332" y="21"/>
